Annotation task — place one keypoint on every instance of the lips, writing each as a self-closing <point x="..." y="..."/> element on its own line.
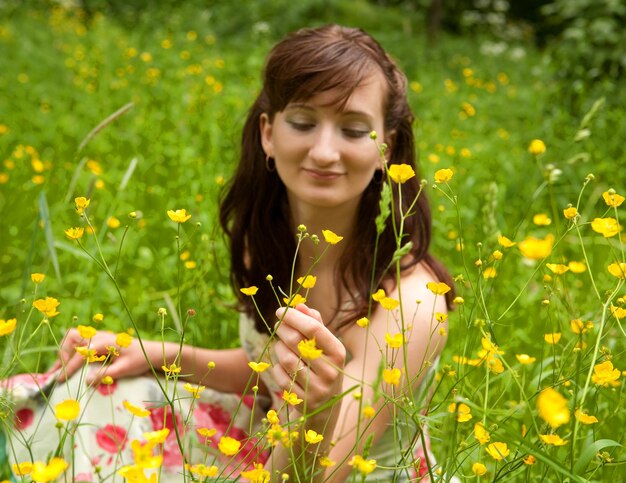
<point x="323" y="175"/>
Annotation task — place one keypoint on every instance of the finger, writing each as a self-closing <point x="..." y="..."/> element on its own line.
<point x="70" y="367"/>
<point x="288" y="359"/>
<point x="310" y="312"/>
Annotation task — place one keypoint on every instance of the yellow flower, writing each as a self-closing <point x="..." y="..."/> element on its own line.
<point x="331" y="237"/>
<point x="47" y="306"/>
<point x="618" y="270"/>
<point x="206" y="432"/>
<point x="557" y="268"/>
<point x="481" y="434"/>
<point x="86" y="331"/>
<point x="541" y="219"/>
<point x="67" y="410"/>
<point x="326" y="462"/>
<point x="505" y="242"/>
<point x="23" y="469"/>
<point x="570" y="212"/>
<point x="113" y="222"/>
<point x="74" y="233"/>
<point x="81" y="204"/>
<point x="490" y="272"/>
<point x="537" y="147"/>
<point x="97" y="317"/>
<point x="143" y="458"/>
<point x="552" y="338"/>
<point x="607" y="227"/>
<point x="529" y="460"/>
<point x="525" y="359"/>
<point x="368" y="412"/>
<point x="552" y="439"/>
<point x="378" y="295"/>
<point x="249" y="290"/>
<point x="392" y="376"/>
<point x="107" y="380"/>
<point x="463" y="412"/>
<point x="363" y="322"/>
<point x="612" y="199"/>
<point x="585" y="418"/>
<point x="156" y="437"/>
<point x="552" y="408"/>
<point x="256" y="475"/>
<point x="577" y="267"/>
<point x="363" y="466"/>
<point x="580" y="327"/>
<point x="394" y="341"/>
<point x="194" y="390"/>
<point x="201" y="470"/>
<point x="136" y="410"/>
<point x="308" y="349"/>
<point x="291" y="398"/>
<point x="258" y="366"/>
<point x="272" y="417"/>
<point x="604" y="374"/>
<point x="308" y="281"/>
<point x="312" y="437"/>
<point x="497" y="255"/>
<point x="179" y="216"/>
<point x="43" y="472"/>
<point x="438" y="288"/>
<point x="443" y="175"/>
<point x="90" y="354"/>
<point x="37" y="277"/>
<point x="388" y="303"/>
<point x="294" y="300"/>
<point x="401" y="173"/>
<point x="498" y="450"/>
<point x="229" y="446"/>
<point x="536" y="248"/>
<point x="479" y="469"/>
<point x="7" y="326"/>
<point x="618" y="312"/>
<point x="123" y="339"/>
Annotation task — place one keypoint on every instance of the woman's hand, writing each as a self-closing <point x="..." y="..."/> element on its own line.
<point x="131" y="360"/>
<point x="316" y="381"/>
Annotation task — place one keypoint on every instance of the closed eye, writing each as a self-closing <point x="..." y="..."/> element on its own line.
<point x="355" y="133"/>
<point x="301" y="126"/>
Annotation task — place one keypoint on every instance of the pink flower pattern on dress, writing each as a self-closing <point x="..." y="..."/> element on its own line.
<point x="111" y="438"/>
<point x="23" y="418"/>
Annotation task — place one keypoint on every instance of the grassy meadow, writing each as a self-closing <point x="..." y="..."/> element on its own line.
<point x="141" y="111"/>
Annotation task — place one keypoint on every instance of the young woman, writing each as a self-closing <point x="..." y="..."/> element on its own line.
<point x="308" y="165"/>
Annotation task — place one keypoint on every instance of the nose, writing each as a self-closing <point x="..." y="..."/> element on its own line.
<point x="325" y="148"/>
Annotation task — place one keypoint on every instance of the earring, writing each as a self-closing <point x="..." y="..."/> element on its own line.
<point x="270" y="164"/>
<point x="378" y="176"/>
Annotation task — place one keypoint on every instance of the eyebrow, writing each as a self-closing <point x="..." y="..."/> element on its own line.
<point x="351" y="112"/>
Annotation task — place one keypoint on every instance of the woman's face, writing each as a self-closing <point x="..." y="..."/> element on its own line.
<point x="323" y="155"/>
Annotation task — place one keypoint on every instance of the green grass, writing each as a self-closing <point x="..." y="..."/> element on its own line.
<point x="190" y="77"/>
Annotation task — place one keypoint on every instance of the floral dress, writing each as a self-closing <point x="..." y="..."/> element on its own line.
<point x="107" y="436"/>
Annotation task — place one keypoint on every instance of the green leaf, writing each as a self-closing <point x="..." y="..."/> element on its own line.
<point x="590" y="452"/>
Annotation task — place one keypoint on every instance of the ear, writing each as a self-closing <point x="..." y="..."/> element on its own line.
<point x="265" y="128"/>
<point x="390" y="141"/>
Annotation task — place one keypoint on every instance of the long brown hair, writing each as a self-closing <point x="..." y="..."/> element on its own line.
<point x="254" y="211"/>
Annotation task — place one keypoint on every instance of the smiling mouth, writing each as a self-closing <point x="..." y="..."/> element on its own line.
<point x="323" y="175"/>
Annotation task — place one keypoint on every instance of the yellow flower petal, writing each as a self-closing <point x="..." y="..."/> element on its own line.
<point x="438" y="288"/>
<point x="258" y="366"/>
<point x="331" y="238"/>
<point x="443" y="175"/>
<point x="553" y="408"/>
<point x="7" y="326"/>
<point x="400" y="173"/>
<point x="308" y="349"/>
<point x="179" y="216"/>
<point x="136" y="410"/>
<point x="612" y="199"/>
<point x="67" y="410"/>
<point x="537" y="147"/>
<point x="249" y="290"/>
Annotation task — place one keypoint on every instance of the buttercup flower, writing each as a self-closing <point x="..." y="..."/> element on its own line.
<point x="7" y="326"/>
<point x="136" y="410"/>
<point x="438" y="288"/>
<point x="570" y="212"/>
<point x="123" y="339"/>
<point x="75" y="233"/>
<point x="97" y="317"/>
<point x="481" y="434"/>
<point x="194" y="390"/>
<point x="272" y="417"/>
<point x="553" y="338"/>
<point x="525" y="359"/>
<point x="202" y="470"/>
<point x="23" y="469"/>
<point x="577" y="267"/>
<point x="541" y="219"/>
<point x="529" y="460"/>
<point x="86" y="331"/>
<point x="585" y="418"/>
<point x="206" y="432"/>
<point x="612" y="199"/>
<point x="179" y="216"/>
<point x="580" y="327"/>
<point x="294" y="300"/>
<point x="326" y="462"/>
<point x="618" y="270"/>
<point x="363" y="322"/>
<point x="604" y="374"/>
<point x="552" y="408"/>
<point x="552" y="439"/>
<point x="249" y="290"/>
<point x="47" y="306"/>
<point x="388" y="303"/>
<point x="498" y="450"/>
<point x="392" y="376"/>
<point x="607" y="227"/>
<point x="378" y="295"/>
<point x="505" y="242"/>
<point x="37" y="277"/>
<point x="557" y="268"/>
<point x="91" y="355"/>
<point x="308" y="349"/>
<point x="81" y="204"/>
<point x="394" y="341"/>
<point x="401" y="173"/>
<point x="463" y="412"/>
<point x="308" y="281"/>
<point x="67" y="410"/>
<point x="443" y="175"/>
<point x="291" y="398"/>
<point x="537" y="147"/>
<point x="258" y="366"/>
<point x="312" y="437"/>
<point x="331" y="238"/>
<point x="490" y="272"/>
<point x="368" y="412"/>
<point x="363" y="466"/>
<point x="43" y="472"/>
<point x="479" y="469"/>
<point x="256" y="475"/>
<point x="536" y="248"/>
